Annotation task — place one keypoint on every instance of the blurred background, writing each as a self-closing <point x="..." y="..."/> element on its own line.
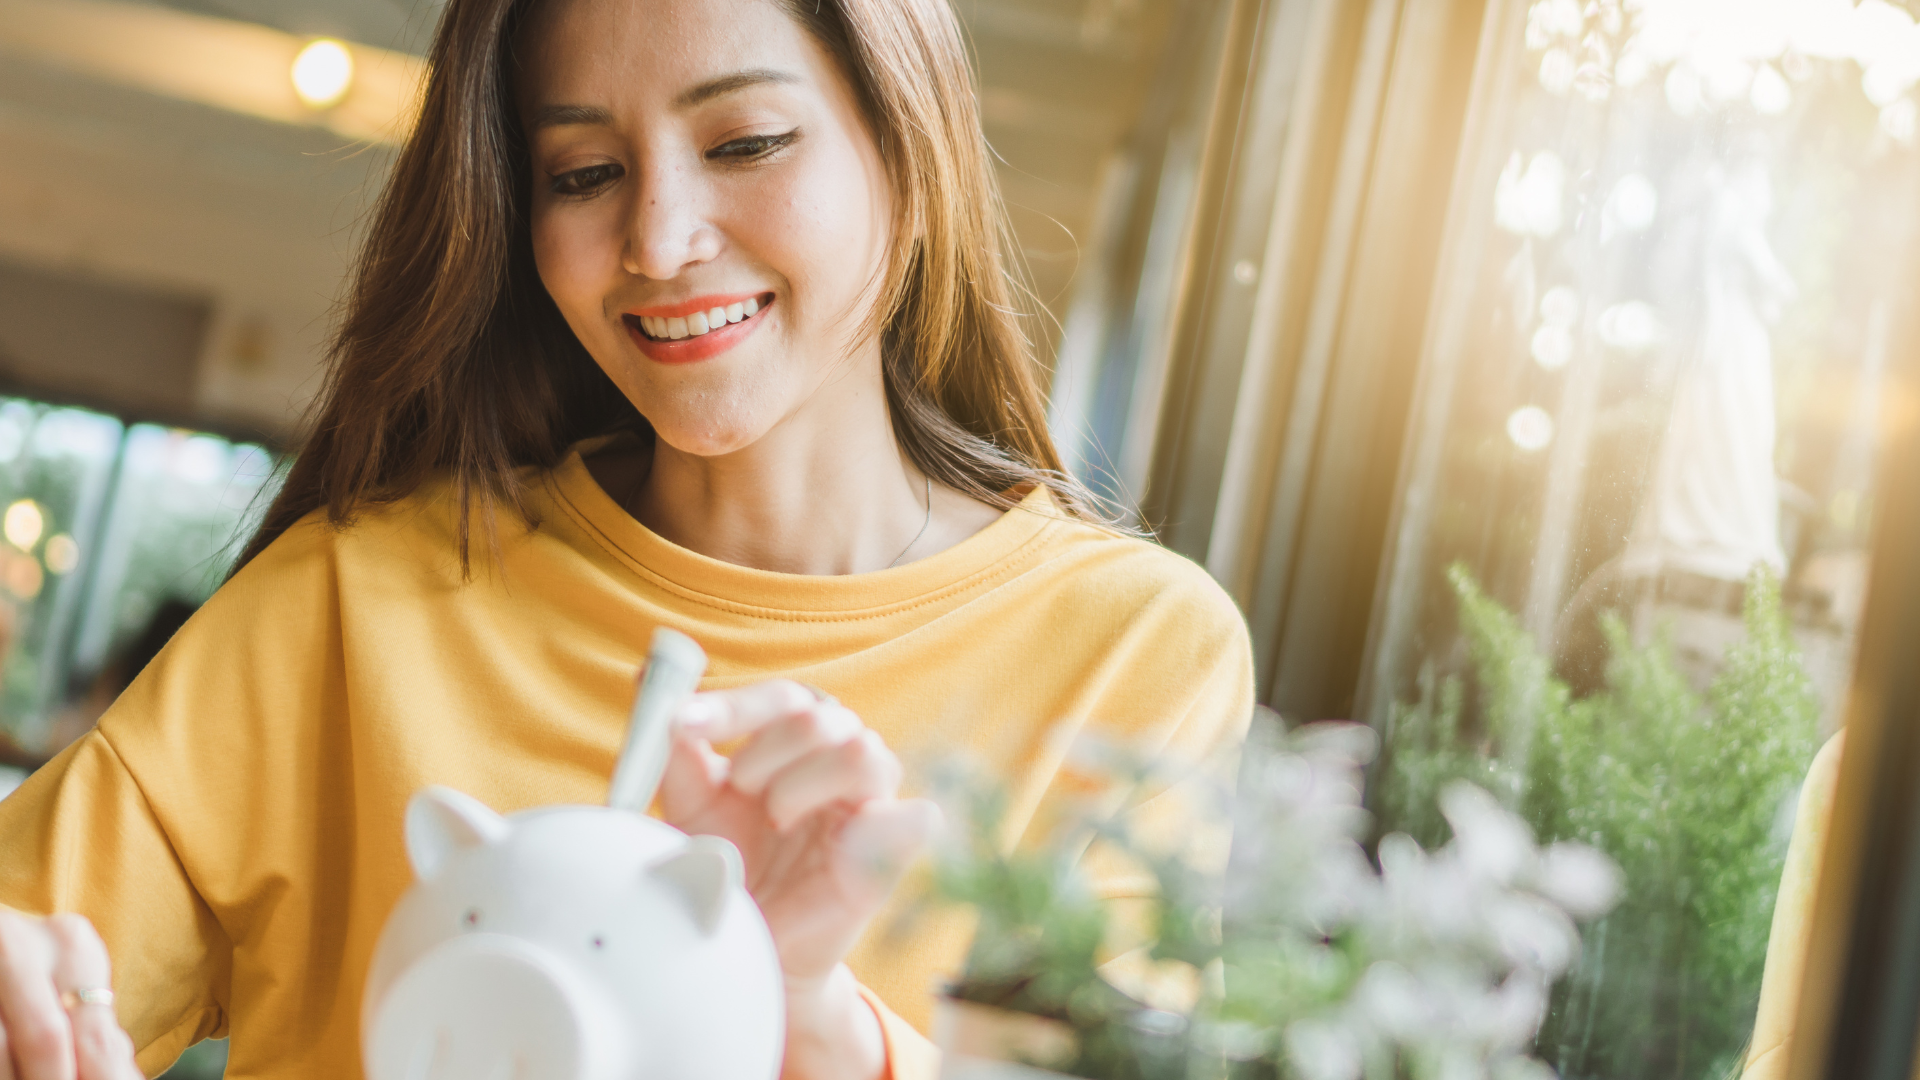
<point x="1521" y="367"/>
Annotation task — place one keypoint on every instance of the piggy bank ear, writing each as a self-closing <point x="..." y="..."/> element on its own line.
<point x="704" y="873"/>
<point x="442" y="822"/>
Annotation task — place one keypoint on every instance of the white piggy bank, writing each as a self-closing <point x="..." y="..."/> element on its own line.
<point x="570" y="943"/>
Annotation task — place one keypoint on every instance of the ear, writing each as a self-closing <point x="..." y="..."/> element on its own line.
<point x="705" y="872"/>
<point x="442" y="822"/>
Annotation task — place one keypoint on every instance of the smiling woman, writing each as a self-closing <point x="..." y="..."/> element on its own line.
<point x="512" y="211"/>
<point x="686" y="313"/>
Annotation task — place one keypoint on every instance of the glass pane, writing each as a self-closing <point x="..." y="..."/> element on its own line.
<point x="1632" y="544"/>
<point x="55" y="468"/>
<point x="181" y="510"/>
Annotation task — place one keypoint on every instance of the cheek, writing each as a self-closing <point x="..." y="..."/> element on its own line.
<point x="573" y="257"/>
<point x="825" y="229"/>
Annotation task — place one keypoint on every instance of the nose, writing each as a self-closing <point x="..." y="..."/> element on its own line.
<point x="667" y="226"/>
<point x="491" y="1007"/>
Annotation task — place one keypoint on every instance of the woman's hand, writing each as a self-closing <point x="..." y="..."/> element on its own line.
<point x="810" y="799"/>
<point x="46" y="1032"/>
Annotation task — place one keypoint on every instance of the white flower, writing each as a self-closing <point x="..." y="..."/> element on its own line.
<point x="1322" y="1050"/>
<point x="1456" y="1063"/>
<point x="1523" y="1068"/>
<point x="1533" y="933"/>
<point x="1579" y="879"/>
<point x="1395" y="1002"/>
<point x="1514" y="1011"/>
<point x="1491" y="840"/>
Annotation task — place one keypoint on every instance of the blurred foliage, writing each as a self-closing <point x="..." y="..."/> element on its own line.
<point x="202" y="1061"/>
<point x="1690" y="796"/>
<point x="1437" y="964"/>
<point x="1040" y="928"/>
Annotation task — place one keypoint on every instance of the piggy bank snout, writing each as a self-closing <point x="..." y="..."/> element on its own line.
<point x="492" y="1007"/>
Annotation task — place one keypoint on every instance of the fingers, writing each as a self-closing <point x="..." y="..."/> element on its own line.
<point x="851" y="773"/>
<point x="883" y="839"/>
<point x="102" y="1051"/>
<point x="694" y="775"/>
<point x="723" y="715"/>
<point x="39" y="1035"/>
<point x="802" y="753"/>
<point x="821" y="726"/>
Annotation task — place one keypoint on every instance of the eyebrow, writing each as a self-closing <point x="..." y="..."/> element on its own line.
<point x="593" y="115"/>
<point x="562" y="115"/>
<point x="727" y="84"/>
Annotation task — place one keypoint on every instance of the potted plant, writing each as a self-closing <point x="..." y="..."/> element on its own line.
<point x="1310" y="960"/>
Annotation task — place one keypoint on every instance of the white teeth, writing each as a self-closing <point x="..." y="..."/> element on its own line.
<point x="700" y="322"/>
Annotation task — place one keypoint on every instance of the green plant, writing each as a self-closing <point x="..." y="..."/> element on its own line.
<point x="1311" y="964"/>
<point x="1685" y="792"/>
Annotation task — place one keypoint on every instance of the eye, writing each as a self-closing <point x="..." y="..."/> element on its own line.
<point x="599" y="942"/>
<point x="586" y="181"/>
<point x="471" y="919"/>
<point x="751" y="147"/>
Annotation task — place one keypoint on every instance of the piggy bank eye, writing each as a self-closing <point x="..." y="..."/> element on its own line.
<point x="471" y="919"/>
<point x="599" y="942"/>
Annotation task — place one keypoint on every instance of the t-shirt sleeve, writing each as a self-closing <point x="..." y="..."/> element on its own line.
<point x="910" y="1055"/>
<point x="177" y="826"/>
<point x="1183" y="707"/>
<point x="80" y="836"/>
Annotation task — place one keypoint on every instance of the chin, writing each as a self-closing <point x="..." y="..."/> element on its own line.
<point x="718" y="412"/>
<point x="706" y="440"/>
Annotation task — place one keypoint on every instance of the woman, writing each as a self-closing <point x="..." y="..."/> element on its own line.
<point x="682" y="312"/>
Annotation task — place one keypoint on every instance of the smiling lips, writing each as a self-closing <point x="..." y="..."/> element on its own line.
<point x="695" y="329"/>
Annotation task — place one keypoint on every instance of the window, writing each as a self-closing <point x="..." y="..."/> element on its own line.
<point x="1633" y="539"/>
<point x="102" y="524"/>
<point x="1530" y="397"/>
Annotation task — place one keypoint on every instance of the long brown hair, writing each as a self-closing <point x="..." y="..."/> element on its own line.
<point x="450" y="357"/>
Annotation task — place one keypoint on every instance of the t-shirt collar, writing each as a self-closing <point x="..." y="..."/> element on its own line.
<point x="975" y="562"/>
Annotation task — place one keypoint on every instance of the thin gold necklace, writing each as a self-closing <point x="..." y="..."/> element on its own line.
<point x="923" y="526"/>
<point x="632" y="508"/>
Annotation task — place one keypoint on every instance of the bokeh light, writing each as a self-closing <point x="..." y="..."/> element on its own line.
<point x="23" y="524"/>
<point x="63" y="554"/>
<point x="323" y="73"/>
<point x="1530" y="428"/>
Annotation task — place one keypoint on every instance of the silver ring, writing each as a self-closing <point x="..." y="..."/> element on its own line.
<point x="92" y="995"/>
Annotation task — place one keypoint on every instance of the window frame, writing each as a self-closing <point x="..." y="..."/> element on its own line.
<point x="1295" y="413"/>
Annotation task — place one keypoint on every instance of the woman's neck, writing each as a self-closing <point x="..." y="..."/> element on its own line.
<point x="827" y="491"/>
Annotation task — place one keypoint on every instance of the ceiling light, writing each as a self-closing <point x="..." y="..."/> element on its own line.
<point x="323" y="73"/>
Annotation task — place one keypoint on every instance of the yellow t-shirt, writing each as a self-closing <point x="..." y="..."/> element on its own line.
<point x="233" y="827"/>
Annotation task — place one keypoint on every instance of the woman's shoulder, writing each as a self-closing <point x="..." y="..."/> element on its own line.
<point x="417" y="533"/>
<point x="1176" y="654"/>
<point x="1133" y="577"/>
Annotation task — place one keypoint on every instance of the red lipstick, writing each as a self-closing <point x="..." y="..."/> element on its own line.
<point x="652" y="327"/>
